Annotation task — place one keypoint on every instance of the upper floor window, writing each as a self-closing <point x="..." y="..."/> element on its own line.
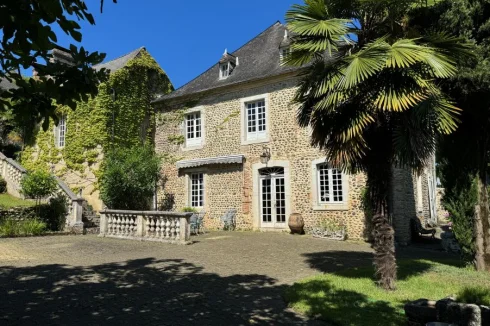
<point x="284" y="53"/>
<point x="329" y="185"/>
<point x="60" y="132"/>
<point x="225" y="70"/>
<point x="196" y="187"/>
<point x="193" y="129"/>
<point x="256" y="122"/>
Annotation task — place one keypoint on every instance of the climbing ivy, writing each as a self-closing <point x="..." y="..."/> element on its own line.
<point x="103" y="123"/>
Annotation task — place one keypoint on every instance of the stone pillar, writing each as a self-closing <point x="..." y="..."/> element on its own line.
<point x="103" y="224"/>
<point x="75" y="221"/>
<point x="140" y="225"/>
<point x="185" y="229"/>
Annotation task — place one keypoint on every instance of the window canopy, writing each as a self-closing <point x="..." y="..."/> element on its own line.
<point x="231" y="159"/>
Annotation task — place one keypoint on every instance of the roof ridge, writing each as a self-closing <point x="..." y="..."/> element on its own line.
<point x="138" y="49"/>
<point x="256" y="36"/>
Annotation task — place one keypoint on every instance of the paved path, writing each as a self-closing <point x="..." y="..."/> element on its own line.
<point x="233" y="278"/>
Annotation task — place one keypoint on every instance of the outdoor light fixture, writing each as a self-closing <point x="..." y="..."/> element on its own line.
<point x="265" y="156"/>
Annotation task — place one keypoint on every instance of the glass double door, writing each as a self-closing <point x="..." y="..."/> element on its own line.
<point x="272" y="198"/>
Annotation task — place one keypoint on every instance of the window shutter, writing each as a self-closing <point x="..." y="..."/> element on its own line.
<point x="56" y="136"/>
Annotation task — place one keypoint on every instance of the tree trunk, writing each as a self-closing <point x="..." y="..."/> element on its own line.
<point x="482" y="225"/>
<point x="383" y="233"/>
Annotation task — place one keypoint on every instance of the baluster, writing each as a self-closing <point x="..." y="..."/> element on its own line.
<point x="177" y="229"/>
<point x="126" y="225"/>
<point x="147" y="223"/>
<point x="152" y="226"/>
<point x="167" y="228"/>
<point x="133" y="225"/>
<point x="158" y="232"/>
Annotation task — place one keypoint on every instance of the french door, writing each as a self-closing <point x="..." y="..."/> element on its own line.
<point x="272" y="198"/>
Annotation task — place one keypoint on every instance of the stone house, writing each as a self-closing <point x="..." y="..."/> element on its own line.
<point x="119" y="116"/>
<point x="234" y="144"/>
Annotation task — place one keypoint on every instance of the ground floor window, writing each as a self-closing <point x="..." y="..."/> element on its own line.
<point x="196" y="189"/>
<point x="330" y="188"/>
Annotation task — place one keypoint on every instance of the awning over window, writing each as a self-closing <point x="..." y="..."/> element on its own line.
<point x="231" y="159"/>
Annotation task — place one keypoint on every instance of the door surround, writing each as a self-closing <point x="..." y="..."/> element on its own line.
<point x="256" y="190"/>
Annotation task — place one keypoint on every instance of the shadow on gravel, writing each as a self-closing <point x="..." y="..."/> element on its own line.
<point x="143" y="291"/>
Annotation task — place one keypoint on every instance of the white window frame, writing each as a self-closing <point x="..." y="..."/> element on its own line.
<point x="196" y="142"/>
<point x="193" y="129"/>
<point x="284" y="52"/>
<point x="201" y="188"/>
<point x="318" y="203"/>
<point x="222" y="74"/>
<point x="258" y="136"/>
<point x="60" y="132"/>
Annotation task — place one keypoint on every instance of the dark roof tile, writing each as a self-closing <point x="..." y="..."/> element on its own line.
<point x="259" y="58"/>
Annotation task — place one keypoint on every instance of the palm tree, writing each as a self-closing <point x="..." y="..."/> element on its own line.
<point x="369" y="92"/>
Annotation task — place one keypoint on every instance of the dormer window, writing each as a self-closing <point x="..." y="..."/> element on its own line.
<point x="227" y="64"/>
<point x="224" y="70"/>
<point x="285" y="52"/>
<point x="285" y="47"/>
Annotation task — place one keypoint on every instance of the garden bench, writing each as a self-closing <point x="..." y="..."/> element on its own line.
<point x="419" y="229"/>
<point x="228" y="220"/>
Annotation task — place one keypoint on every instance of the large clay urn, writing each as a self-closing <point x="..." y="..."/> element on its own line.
<point x="296" y="223"/>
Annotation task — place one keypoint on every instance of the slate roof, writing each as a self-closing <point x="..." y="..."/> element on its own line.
<point x="258" y="59"/>
<point x="118" y="63"/>
<point x="112" y="65"/>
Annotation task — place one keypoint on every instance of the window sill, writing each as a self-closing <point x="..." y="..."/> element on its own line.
<point x="255" y="141"/>
<point x="192" y="148"/>
<point x="331" y="207"/>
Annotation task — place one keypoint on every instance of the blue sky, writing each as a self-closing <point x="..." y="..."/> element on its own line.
<point x="185" y="37"/>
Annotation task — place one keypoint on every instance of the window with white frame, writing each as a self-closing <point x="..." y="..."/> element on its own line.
<point x="193" y="129"/>
<point x="329" y="185"/>
<point x="196" y="190"/>
<point x="60" y="132"/>
<point x="255" y="118"/>
<point x="284" y="53"/>
<point x="224" y="70"/>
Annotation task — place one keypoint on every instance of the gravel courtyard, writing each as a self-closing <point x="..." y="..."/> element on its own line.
<point x="224" y="278"/>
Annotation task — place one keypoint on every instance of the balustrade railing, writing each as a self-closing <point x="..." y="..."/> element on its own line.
<point x="169" y="227"/>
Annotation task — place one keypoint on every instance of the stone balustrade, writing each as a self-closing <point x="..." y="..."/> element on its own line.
<point x="168" y="227"/>
<point x="13" y="173"/>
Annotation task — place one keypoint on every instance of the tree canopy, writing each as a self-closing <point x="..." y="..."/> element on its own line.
<point x="371" y="96"/>
<point x="27" y="41"/>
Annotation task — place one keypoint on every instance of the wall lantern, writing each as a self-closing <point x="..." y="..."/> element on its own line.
<point x="265" y="156"/>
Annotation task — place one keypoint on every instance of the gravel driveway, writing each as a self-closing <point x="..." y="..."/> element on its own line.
<point x="224" y="278"/>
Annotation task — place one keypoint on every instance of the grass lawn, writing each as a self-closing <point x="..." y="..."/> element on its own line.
<point x="351" y="298"/>
<point x="8" y="201"/>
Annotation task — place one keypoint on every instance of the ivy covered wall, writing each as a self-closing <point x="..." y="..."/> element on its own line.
<point x="100" y="124"/>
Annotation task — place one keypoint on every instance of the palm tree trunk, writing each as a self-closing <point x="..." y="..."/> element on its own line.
<point x="383" y="233"/>
<point x="482" y="224"/>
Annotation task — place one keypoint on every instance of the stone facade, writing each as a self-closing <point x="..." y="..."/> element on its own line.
<point x="230" y="186"/>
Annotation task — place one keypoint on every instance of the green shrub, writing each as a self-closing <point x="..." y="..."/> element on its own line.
<point x="129" y="177"/>
<point x="9" y="228"/>
<point x="54" y="213"/>
<point x="12" y="228"/>
<point x="461" y="207"/>
<point x="32" y="227"/>
<point x="3" y="186"/>
<point x="38" y="185"/>
<point x="474" y="295"/>
<point x="189" y="210"/>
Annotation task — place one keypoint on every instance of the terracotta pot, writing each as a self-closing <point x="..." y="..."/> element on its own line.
<point x="296" y="223"/>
